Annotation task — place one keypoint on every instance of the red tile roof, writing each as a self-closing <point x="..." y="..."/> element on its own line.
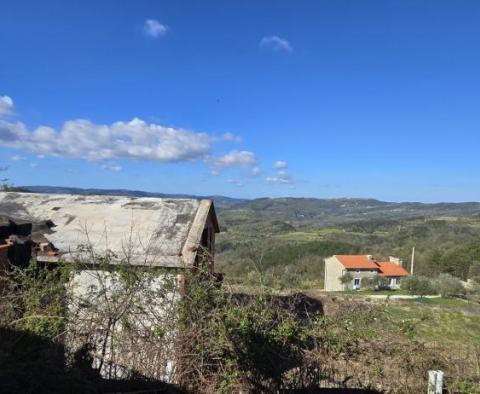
<point x="391" y="269"/>
<point x="357" y="261"/>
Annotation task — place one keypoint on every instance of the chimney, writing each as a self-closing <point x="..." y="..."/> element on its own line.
<point x="369" y="256"/>
<point x="395" y="260"/>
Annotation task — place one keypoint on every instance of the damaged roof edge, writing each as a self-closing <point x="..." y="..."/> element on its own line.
<point x="189" y="251"/>
<point x="214" y="217"/>
<point x="172" y="228"/>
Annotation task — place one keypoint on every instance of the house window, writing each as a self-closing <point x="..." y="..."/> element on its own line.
<point x="397" y="281"/>
<point x="356" y="283"/>
<point x="358" y="271"/>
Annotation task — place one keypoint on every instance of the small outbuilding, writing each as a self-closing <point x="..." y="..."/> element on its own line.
<point x="164" y="236"/>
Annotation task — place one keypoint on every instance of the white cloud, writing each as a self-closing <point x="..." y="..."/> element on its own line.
<point x="111" y="167"/>
<point x="231" y="137"/>
<point x="282" y="177"/>
<point x="280" y="164"/>
<point x="82" y="139"/>
<point x="33" y="165"/>
<point x="155" y="29"/>
<point x="276" y="44"/>
<point x="6" y="106"/>
<point x="135" y="140"/>
<point x="236" y="158"/>
<point x="228" y="137"/>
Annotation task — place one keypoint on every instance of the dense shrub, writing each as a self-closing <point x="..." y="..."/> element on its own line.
<point x="370" y="283"/>
<point x="448" y="286"/>
<point x="418" y="285"/>
<point x="346" y="278"/>
<point x="231" y="342"/>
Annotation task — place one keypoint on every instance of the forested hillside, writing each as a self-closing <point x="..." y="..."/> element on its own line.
<point x="321" y="212"/>
<point x="292" y="255"/>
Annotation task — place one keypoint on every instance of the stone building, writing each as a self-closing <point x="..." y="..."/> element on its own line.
<point x="165" y="237"/>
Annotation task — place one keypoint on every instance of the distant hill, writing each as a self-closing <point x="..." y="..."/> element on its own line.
<point x="219" y="201"/>
<point x="308" y="211"/>
<point x="320" y="212"/>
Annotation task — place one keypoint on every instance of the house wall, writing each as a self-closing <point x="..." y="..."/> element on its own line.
<point x="123" y="325"/>
<point x="333" y="271"/>
<point x="394" y="286"/>
<point x="360" y="274"/>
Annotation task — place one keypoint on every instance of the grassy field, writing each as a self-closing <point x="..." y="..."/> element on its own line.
<point x="445" y="321"/>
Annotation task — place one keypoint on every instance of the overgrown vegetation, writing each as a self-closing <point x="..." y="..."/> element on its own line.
<point x="449" y="286"/>
<point x="419" y="285"/>
<point x="129" y="325"/>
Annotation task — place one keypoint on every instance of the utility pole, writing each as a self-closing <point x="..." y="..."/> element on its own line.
<point x="413" y="260"/>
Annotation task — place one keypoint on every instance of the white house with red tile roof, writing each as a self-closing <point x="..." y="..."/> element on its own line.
<point x="361" y="267"/>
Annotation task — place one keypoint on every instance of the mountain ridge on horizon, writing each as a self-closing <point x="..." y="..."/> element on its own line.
<point x="142" y="193"/>
<point x="299" y="210"/>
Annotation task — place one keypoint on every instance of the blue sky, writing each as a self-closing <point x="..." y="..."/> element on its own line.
<point x="274" y="98"/>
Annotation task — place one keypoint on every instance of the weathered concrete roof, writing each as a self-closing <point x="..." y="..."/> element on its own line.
<point x="147" y="231"/>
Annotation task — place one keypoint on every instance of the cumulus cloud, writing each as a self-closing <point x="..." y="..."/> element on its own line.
<point x="123" y="140"/>
<point x="276" y="44"/>
<point x="282" y="177"/>
<point x="6" y="106"/>
<point x="82" y="139"/>
<point x="227" y="137"/>
<point x="280" y="165"/>
<point x="155" y="29"/>
<point x="231" y="137"/>
<point x="235" y="158"/>
<point x="135" y="139"/>
<point x="111" y="167"/>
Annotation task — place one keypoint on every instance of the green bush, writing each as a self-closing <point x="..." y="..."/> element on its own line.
<point x="233" y="341"/>
<point x="449" y="286"/>
<point x="370" y="283"/>
<point x="418" y="285"/>
<point x="346" y="278"/>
